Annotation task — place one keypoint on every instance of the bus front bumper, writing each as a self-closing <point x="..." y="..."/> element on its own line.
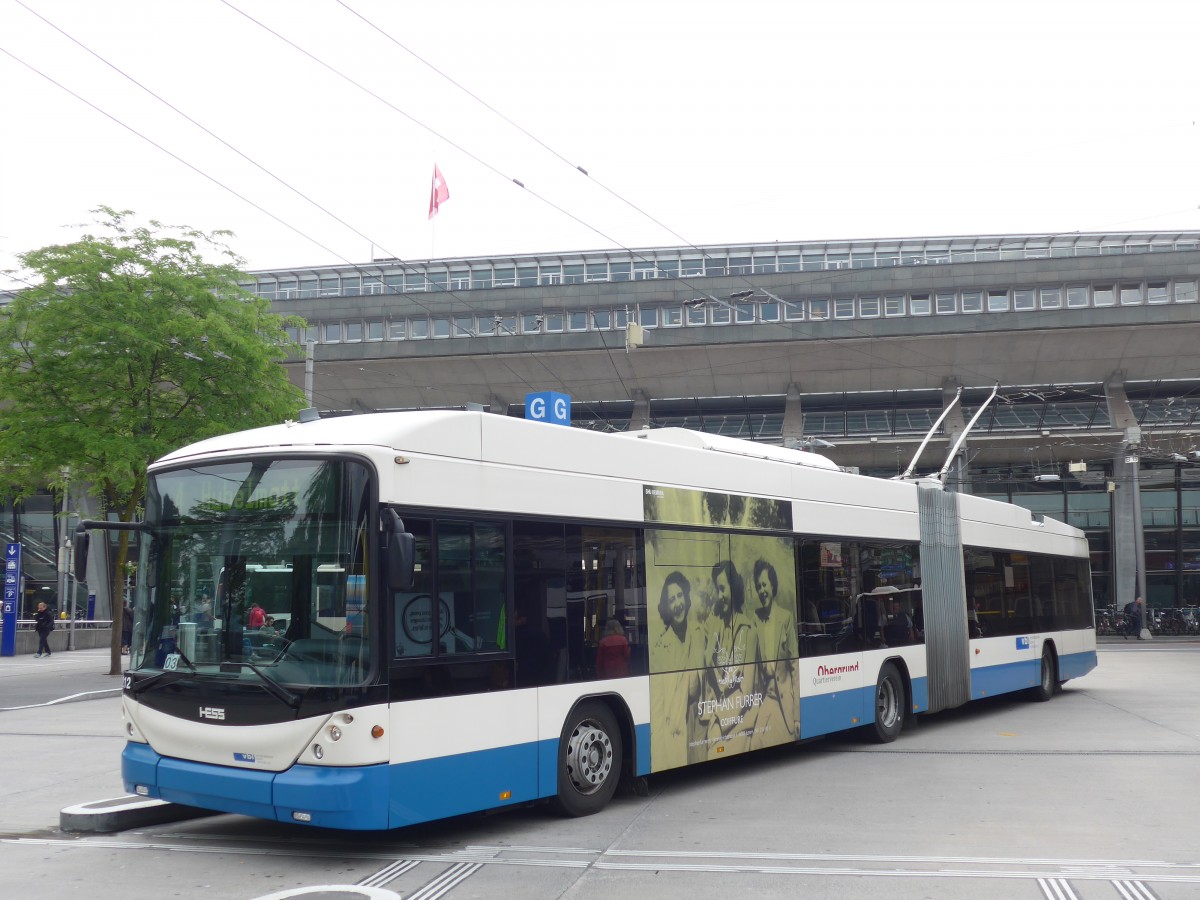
<point x="351" y="798"/>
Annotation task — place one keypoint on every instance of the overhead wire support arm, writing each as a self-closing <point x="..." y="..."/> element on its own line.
<point x="962" y="437"/>
<point x="929" y="434"/>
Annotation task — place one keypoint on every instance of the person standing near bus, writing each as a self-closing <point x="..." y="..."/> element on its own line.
<point x="777" y="642"/>
<point x="612" y="653"/>
<point x="256" y="617"/>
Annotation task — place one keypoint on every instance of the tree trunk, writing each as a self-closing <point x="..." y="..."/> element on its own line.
<point x="118" y="604"/>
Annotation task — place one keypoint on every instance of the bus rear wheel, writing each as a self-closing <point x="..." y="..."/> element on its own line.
<point x="890" y="705"/>
<point x="589" y="760"/>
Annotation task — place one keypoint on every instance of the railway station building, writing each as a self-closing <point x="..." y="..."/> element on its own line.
<point x="855" y="348"/>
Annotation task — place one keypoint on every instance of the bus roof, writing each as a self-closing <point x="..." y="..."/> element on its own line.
<point x="427" y="431"/>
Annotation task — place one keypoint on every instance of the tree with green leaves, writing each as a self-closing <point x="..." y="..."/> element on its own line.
<point x="127" y="344"/>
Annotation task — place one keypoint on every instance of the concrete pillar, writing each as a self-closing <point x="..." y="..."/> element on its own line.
<point x="793" y="416"/>
<point x="1129" y="575"/>
<point x="640" y="417"/>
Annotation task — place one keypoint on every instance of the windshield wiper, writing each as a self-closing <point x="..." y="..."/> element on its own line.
<point x="273" y="687"/>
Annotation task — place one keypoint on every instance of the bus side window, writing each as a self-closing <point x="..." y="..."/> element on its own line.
<point x="491" y="582"/>
<point x="414" y="608"/>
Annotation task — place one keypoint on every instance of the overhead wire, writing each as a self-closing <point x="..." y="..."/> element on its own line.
<point x="397" y="260"/>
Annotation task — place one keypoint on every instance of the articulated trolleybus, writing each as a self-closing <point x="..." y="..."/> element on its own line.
<point x="379" y="620"/>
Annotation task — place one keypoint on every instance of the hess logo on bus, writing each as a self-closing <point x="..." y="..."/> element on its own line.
<point x="212" y="712"/>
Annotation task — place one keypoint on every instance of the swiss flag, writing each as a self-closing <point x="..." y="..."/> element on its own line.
<point x="438" y="193"/>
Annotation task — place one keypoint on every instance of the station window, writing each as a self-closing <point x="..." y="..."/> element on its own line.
<point x="553" y="322"/>
<point x="397" y="329"/>
<point x="721" y="315"/>
<point x="531" y="323"/>
<point x="418" y="329"/>
<point x="648" y="317"/>
<point x="464" y="326"/>
<point x="441" y="327"/>
<point x="947" y="302"/>
<point x="1052" y="298"/>
<point x="918" y="305"/>
<point x="577" y="320"/>
<point x="793" y="312"/>
<point x="1103" y="295"/>
<point x="697" y="314"/>
<point x="333" y="332"/>
<point x="1131" y="294"/>
<point x="744" y="314"/>
<point x="768" y="311"/>
<point x="868" y="307"/>
<point x="818" y="310"/>
<point x="672" y="316"/>
<point x="1022" y="300"/>
<point x="602" y="319"/>
<point x="893" y="305"/>
<point x="1156" y="292"/>
<point x="972" y="301"/>
<point x="1185" y="292"/>
<point x="375" y="330"/>
<point x="354" y="331"/>
<point x="843" y="308"/>
<point x="1077" y="296"/>
<point x="997" y="301"/>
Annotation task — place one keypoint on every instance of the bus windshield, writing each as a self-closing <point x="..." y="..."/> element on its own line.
<point x="257" y="565"/>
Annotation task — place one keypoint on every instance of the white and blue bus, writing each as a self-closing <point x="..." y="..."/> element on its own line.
<point x="474" y="611"/>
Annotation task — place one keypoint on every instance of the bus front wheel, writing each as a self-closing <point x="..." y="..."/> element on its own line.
<point x="1048" y="679"/>
<point x="890" y="705"/>
<point x="589" y="760"/>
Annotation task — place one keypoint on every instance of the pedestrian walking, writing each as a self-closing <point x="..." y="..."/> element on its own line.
<point x="44" y="624"/>
<point x="1133" y="619"/>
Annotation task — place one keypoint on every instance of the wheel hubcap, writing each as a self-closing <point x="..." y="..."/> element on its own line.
<point x="885" y="704"/>
<point x="589" y="757"/>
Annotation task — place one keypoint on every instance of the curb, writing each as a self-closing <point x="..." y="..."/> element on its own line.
<point x="123" y="813"/>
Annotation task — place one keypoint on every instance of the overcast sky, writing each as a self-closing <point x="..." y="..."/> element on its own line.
<point x="698" y="122"/>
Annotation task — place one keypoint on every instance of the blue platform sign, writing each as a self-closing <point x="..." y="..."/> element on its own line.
<point x="548" y="406"/>
<point x="12" y="598"/>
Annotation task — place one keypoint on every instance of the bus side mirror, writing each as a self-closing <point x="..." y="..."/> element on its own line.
<point x="399" y="551"/>
<point x="82" y="539"/>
